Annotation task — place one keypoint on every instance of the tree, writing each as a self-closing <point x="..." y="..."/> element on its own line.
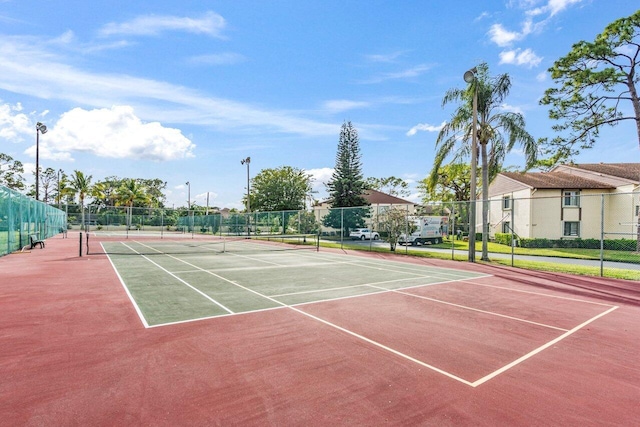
<point x="63" y="189"/>
<point x="394" y="222"/>
<point x="130" y="192"/>
<point x="154" y="188"/>
<point x="48" y="184"/>
<point x="80" y="185"/>
<point x="595" y="83"/>
<point x="280" y="189"/>
<point x="11" y="172"/>
<point x="498" y="132"/>
<point x="451" y="183"/>
<point x="452" y="188"/>
<point x="106" y="191"/>
<point x="347" y="186"/>
<point x="391" y="185"/>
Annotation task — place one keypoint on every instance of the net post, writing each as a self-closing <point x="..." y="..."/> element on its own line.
<point x="81" y="244"/>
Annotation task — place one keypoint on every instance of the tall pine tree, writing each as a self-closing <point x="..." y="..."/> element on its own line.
<point x="347" y="185"/>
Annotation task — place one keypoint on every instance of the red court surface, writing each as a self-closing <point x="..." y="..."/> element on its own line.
<point x="73" y="351"/>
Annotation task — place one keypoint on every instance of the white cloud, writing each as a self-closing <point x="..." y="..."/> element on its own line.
<point x="399" y="75"/>
<point x="425" y="127"/>
<point x="112" y="133"/>
<point x="390" y="57"/>
<point x="217" y="59"/>
<point x="27" y="67"/>
<point x="14" y="124"/>
<point x="520" y="57"/>
<point x="482" y="16"/>
<point x="503" y="37"/>
<point x="555" y="6"/>
<point x="320" y="177"/>
<point x="340" y="105"/>
<point x="201" y="198"/>
<point x="210" y="24"/>
<point x="541" y="77"/>
<point x="511" y="108"/>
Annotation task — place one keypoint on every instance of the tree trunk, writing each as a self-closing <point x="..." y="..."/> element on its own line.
<point x="636" y="109"/>
<point x="485" y="203"/>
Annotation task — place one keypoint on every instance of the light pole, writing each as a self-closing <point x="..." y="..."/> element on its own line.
<point x="40" y="129"/>
<point x="59" y="195"/>
<point x="242" y="162"/>
<point x="188" y="184"/>
<point x="470" y="77"/>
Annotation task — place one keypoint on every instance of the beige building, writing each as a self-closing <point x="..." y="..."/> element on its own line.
<point x="585" y="201"/>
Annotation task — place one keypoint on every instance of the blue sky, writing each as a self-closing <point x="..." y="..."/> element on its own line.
<point x="183" y="91"/>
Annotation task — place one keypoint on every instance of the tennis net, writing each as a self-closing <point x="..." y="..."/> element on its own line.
<point x="181" y="244"/>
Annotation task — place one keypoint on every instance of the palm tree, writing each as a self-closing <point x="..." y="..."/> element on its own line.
<point x="130" y="192"/>
<point x="498" y="132"/>
<point x="80" y="185"/>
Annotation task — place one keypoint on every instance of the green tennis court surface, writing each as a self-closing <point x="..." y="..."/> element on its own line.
<point x="169" y="283"/>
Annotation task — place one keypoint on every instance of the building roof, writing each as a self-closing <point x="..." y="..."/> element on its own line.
<point x="630" y="171"/>
<point x="376" y="197"/>
<point x="555" y="180"/>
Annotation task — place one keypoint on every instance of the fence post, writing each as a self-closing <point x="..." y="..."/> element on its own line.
<point x="602" y="235"/>
<point x="452" y="230"/>
<point x="341" y="226"/>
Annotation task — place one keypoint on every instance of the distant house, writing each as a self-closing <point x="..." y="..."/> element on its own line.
<point x="378" y="202"/>
<point x="570" y="201"/>
<point x="377" y="199"/>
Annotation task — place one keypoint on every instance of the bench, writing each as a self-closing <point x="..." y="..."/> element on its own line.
<point x="33" y="238"/>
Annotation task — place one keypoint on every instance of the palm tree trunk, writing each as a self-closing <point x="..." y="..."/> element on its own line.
<point x="485" y="203"/>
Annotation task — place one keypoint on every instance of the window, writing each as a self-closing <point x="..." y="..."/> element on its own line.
<point x="571" y="229"/>
<point x="506" y="227"/>
<point x="506" y="203"/>
<point x="571" y="198"/>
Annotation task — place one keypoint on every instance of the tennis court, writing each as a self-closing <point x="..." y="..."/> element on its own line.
<point x="401" y="308"/>
<point x="225" y="331"/>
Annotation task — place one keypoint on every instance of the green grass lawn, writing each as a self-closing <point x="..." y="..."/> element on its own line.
<point x="591" y="254"/>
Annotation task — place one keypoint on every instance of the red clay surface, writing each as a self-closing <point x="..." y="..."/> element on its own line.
<point x="74" y="352"/>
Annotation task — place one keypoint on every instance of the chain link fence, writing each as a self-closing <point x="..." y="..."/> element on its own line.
<point x="595" y="232"/>
<point x="22" y="216"/>
<point x="161" y="220"/>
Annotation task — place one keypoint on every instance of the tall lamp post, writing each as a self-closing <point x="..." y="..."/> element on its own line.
<point x="188" y="184"/>
<point x="470" y="77"/>
<point x="59" y="195"/>
<point x="40" y="129"/>
<point x="242" y="162"/>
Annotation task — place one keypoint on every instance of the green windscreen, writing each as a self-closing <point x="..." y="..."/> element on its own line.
<point x="21" y="216"/>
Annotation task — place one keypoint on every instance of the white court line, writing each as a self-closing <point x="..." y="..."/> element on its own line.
<point x="179" y="279"/>
<point x="470" y="282"/>
<point x="492" y="313"/>
<point x="373" y="285"/>
<point x="539" y="349"/>
<point x="405" y="356"/>
<point x="274" y="267"/>
<point x="405" y="265"/>
<point x="197" y="319"/>
<point x="133" y="301"/>
<point x="361" y="337"/>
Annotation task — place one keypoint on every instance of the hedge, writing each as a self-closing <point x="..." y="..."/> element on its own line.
<point x="615" y="245"/>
